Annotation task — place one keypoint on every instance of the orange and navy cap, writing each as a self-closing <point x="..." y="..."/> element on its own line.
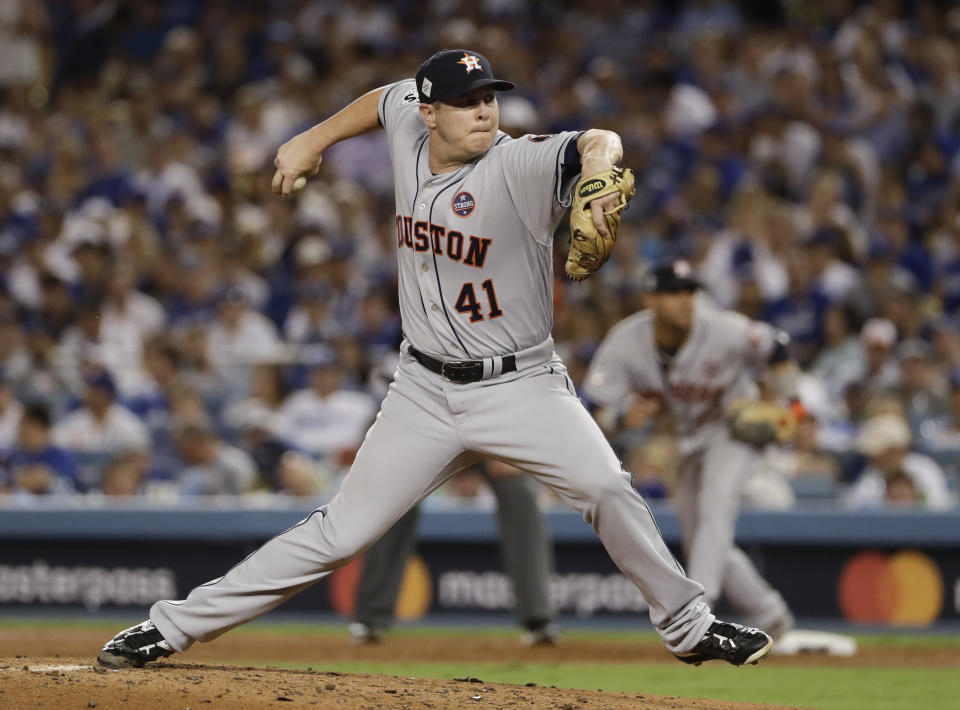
<point x="670" y="276"/>
<point x="454" y="72"/>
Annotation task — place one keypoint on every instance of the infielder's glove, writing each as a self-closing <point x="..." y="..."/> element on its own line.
<point x="760" y="423"/>
<point x="589" y="249"/>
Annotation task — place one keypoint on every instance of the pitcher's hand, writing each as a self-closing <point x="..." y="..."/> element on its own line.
<point x="297" y="158"/>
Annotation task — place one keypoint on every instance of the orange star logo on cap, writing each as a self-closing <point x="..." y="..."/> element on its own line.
<point x="471" y="62"/>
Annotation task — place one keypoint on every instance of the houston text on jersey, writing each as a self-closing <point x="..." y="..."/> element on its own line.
<point x="422" y="236"/>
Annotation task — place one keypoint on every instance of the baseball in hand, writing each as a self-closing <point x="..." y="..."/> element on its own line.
<point x="299" y="183"/>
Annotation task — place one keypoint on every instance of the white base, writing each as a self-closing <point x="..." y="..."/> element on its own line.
<point x="799" y="641"/>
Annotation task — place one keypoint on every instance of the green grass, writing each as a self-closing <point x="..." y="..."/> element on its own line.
<point x="869" y="639"/>
<point x="824" y="688"/>
<point x="908" y="640"/>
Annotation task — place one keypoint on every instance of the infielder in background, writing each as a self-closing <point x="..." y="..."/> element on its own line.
<point x="478" y="376"/>
<point x="701" y="363"/>
<point x="525" y="547"/>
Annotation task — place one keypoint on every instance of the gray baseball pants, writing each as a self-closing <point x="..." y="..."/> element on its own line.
<point x="707" y="502"/>
<point x="427" y="429"/>
<point x="524" y="545"/>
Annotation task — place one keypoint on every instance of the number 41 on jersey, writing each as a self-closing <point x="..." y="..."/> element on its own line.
<point x="467" y="302"/>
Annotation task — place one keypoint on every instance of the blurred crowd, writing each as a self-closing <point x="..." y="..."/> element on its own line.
<point x="168" y="326"/>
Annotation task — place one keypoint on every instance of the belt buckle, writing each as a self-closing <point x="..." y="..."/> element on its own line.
<point x="457" y="370"/>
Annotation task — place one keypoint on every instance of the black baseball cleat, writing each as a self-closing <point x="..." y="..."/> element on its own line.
<point x="541" y="634"/>
<point x="733" y="643"/>
<point x="134" y="647"/>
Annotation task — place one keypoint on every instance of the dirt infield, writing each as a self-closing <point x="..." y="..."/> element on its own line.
<point x="75" y="683"/>
<point x="43" y="670"/>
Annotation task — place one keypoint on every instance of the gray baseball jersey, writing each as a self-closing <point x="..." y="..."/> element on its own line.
<point x="474" y="253"/>
<point x="474" y="245"/>
<point x="717" y="364"/>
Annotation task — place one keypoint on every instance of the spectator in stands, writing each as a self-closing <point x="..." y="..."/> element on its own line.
<point x="885" y="441"/>
<point x="268" y="390"/>
<point x="922" y="390"/>
<point x="34" y="464"/>
<point x="95" y="341"/>
<point x="841" y="360"/>
<point x="209" y="465"/>
<point x="881" y="373"/>
<point x="39" y="377"/>
<point x="826" y="213"/>
<point x="198" y="371"/>
<point x="10" y="412"/>
<point x="235" y="271"/>
<point x="159" y="380"/>
<point x="376" y="326"/>
<point x="901" y="490"/>
<point x="190" y="288"/>
<point x="125" y="308"/>
<point x="811" y="459"/>
<point x="300" y="477"/>
<point x="836" y="278"/>
<point x="311" y="319"/>
<point x="93" y="258"/>
<point x="123" y="476"/>
<point x="14" y="355"/>
<point x="325" y="419"/>
<point x="56" y="303"/>
<point x="80" y="345"/>
<point x="942" y="437"/>
<point x="801" y="312"/>
<point x="254" y="430"/>
<point x="100" y="429"/>
<point x="160" y="371"/>
<point x="240" y="336"/>
<point x="349" y="285"/>
<point x="742" y="252"/>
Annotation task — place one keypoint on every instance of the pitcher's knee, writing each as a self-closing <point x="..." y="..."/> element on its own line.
<point x="344" y="547"/>
<point x="611" y="488"/>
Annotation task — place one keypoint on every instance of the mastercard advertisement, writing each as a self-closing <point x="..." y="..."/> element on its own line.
<point x="903" y="588"/>
<point x="898" y="588"/>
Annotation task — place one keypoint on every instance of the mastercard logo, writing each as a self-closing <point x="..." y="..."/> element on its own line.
<point x="902" y="589"/>
<point x="413" y="601"/>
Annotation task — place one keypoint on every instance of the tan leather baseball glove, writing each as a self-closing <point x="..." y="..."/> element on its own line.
<point x="759" y="423"/>
<point x="589" y="249"/>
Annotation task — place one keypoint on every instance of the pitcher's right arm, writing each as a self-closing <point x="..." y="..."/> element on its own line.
<point x="300" y="156"/>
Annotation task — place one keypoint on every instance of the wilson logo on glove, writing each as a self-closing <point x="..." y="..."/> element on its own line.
<point x="591" y="187"/>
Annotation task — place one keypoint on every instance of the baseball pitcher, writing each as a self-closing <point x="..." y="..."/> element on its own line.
<point x="478" y="377"/>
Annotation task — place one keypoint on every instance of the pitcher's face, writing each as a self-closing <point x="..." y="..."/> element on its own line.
<point x="464" y="127"/>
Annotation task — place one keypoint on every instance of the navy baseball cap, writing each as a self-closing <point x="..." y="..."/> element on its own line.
<point x="454" y="72"/>
<point x="670" y="277"/>
<point x="102" y="380"/>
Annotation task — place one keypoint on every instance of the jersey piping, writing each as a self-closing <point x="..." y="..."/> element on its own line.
<point x="436" y="271"/>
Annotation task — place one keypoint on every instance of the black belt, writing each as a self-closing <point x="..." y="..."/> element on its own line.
<point x="460" y="371"/>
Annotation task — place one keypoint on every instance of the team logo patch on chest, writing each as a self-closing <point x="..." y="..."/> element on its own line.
<point x="463" y="204"/>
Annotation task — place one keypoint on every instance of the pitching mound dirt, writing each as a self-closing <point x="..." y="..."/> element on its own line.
<point x="75" y="683"/>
